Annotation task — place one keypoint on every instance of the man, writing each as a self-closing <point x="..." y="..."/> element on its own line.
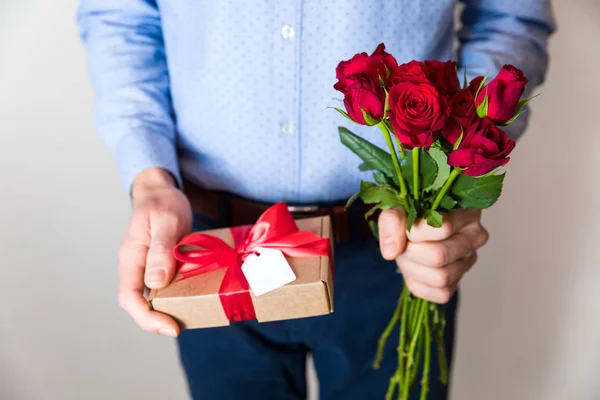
<point x="230" y="97"/>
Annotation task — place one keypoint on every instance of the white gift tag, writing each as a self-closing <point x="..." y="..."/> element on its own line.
<point x="269" y="270"/>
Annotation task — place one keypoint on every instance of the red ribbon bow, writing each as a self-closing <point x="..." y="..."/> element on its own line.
<point x="275" y="229"/>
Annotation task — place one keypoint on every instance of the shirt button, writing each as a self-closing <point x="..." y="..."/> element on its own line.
<point x="287" y="32"/>
<point x="287" y="129"/>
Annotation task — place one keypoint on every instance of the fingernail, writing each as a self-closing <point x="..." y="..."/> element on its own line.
<point x="167" y="332"/>
<point x="389" y="247"/>
<point x="156" y="275"/>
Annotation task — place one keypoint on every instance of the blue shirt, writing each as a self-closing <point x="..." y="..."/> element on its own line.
<point x="233" y="94"/>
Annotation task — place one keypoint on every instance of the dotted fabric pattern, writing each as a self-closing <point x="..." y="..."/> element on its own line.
<point x="233" y="94"/>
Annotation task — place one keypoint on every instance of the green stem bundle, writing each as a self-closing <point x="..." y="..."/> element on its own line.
<point x="427" y="349"/>
<point x="421" y="322"/>
<point x="420" y="328"/>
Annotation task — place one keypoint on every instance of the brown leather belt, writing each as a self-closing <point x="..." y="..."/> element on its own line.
<point x="239" y="211"/>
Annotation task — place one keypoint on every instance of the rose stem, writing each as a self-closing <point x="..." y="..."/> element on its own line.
<point x="444" y="189"/>
<point x="388" y="139"/>
<point x="386" y="334"/>
<point x="389" y="127"/>
<point x="414" y="371"/>
<point x="439" y="336"/>
<point x="400" y="147"/>
<point x="413" y="343"/>
<point x="425" y="382"/>
<point x="396" y="379"/>
<point x="402" y="339"/>
<point x="392" y="386"/>
<point x="414" y="314"/>
<point x="415" y="163"/>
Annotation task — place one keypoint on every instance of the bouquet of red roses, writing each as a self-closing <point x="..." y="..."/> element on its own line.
<point x="445" y="146"/>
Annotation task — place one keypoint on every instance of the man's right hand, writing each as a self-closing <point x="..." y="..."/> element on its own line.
<point x="161" y="216"/>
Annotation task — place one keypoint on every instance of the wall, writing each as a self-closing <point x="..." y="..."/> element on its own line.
<point x="529" y="315"/>
<point x="62" y="215"/>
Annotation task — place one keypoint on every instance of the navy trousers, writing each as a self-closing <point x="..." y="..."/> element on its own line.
<point x="253" y="361"/>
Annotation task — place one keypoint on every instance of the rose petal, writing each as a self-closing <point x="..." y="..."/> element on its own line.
<point x="483" y="165"/>
<point x="461" y="158"/>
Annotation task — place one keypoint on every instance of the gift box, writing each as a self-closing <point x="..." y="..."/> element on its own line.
<point x="210" y="289"/>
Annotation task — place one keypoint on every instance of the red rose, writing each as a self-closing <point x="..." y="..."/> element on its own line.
<point x="474" y="84"/>
<point x="443" y="76"/>
<point x="379" y="64"/>
<point x="462" y="114"/>
<point x="484" y="148"/>
<point x="413" y="71"/>
<point x="504" y="93"/>
<point x="367" y="94"/>
<point x="417" y="111"/>
<point x="463" y="107"/>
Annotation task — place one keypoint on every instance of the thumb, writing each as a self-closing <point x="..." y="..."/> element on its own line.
<point x="392" y="232"/>
<point x="160" y="263"/>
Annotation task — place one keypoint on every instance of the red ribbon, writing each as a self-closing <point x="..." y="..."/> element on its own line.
<point x="275" y="229"/>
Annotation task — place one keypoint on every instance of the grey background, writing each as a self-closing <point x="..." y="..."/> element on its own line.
<point x="529" y="318"/>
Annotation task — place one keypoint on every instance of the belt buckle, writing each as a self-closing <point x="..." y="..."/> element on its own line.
<point x="303" y="209"/>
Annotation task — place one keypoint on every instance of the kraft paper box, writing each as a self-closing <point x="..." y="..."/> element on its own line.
<point x="194" y="302"/>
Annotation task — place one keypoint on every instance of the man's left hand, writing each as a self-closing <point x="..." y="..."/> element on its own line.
<point x="432" y="260"/>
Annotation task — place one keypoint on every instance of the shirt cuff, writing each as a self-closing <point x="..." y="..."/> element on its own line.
<point x="140" y="150"/>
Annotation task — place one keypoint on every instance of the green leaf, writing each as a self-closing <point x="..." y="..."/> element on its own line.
<point x="428" y="169"/>
<point x="492" y="172"/>
<point x="386" y="106"/>
<point x="352" y="199"/>
<point x="380" y="178"/>
<point x="448" y="203"/>
<point x="526" y="100"/>
<point x="411" y="217"/>
<point x="513" y="119"/>
<point x="520" y="110"/>
<point x="370" y="121"/>
<point x="364" y="185"/>
<point x="459" y="140"/>
<point x="442" y="144"/>
<point x="365" y="167"/>
<point x="482" y="109"/>
<point x="371" y="211"/>
<point x="433" y="218"/>
<point x="477" y="193"/>
<point x="374" y="229"/>
<point x="385" y="195"/>
<point x="380" y="206"/>
<point x="372" y="155"/>
<point x="465" y="84"/>
<point x="437" y="143"/>
<point x="344" y="113"/>
<point x="480" y="87"/>
<point x="443" y="169"/>
<point x="407" y="171"/>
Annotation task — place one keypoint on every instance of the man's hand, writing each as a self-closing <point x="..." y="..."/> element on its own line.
<point x="432" y="260"/>
<point x="161" y="215"/>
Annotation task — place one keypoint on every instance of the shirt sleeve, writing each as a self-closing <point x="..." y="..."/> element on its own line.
<point x="128" y="69"/>
<point x="498" y="32"/>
